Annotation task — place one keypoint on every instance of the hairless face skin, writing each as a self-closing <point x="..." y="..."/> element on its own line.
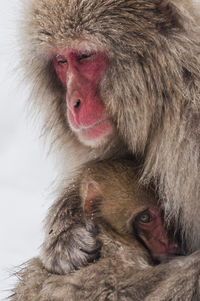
<point x="80" y="72"/>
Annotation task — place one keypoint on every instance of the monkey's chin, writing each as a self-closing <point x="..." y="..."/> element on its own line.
<point x="98" y="135"/>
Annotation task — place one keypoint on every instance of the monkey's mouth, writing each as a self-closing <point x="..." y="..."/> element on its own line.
<point x="98" y="130"/>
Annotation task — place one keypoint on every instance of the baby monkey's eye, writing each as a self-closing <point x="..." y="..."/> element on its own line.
<point x="144" y="217"/>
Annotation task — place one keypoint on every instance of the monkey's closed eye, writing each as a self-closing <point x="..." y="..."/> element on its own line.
<point x="85" y="56"/>
<point x="60" y="59"/>
<point x="144" y="217"/>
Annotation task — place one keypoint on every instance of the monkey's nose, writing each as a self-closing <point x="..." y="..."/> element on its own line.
<point x="77" y="104"/>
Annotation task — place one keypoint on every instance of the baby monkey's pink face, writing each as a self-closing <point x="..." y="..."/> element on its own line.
<point x="80" y="71"/>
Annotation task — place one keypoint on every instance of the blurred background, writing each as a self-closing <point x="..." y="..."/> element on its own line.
<point x="25" y="172"/>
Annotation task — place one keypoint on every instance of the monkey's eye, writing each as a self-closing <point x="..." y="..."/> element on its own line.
<point x="85" y="56"/>
<point x="144" y="217"/>
<point x="60" y="60"/>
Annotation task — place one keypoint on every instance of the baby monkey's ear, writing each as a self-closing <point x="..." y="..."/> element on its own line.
<point x="91" y="195"/>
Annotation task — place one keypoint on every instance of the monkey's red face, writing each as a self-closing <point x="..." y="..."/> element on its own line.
<point x="80" y="71"/>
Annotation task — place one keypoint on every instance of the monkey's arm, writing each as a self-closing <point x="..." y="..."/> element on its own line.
<point x="70" y="242"/>
<point x="177" y="280"/>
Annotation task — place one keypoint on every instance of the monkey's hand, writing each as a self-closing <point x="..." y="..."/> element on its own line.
<point x="71" y="249"/>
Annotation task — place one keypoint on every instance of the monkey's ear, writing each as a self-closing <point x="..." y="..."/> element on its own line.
<point x="92" y="194"/>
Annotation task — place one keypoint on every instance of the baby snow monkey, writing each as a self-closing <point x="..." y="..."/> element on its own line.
<point x="132" y="236"/>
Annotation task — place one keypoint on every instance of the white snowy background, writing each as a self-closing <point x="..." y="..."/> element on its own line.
<point x="25" y="173"/>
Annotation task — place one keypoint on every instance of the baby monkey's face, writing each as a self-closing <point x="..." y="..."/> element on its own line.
<point x="114" y="199"/>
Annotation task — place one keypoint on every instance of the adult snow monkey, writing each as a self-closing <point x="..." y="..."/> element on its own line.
<point x="120" y="78"/>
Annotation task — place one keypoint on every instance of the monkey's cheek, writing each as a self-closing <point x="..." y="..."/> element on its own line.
<point x="98" y="135"/>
